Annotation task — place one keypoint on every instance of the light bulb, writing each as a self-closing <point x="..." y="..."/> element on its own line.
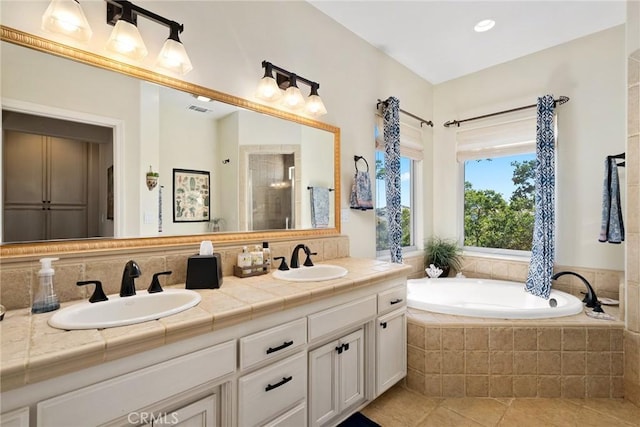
<point x="268" y="89"/>
<point x="293" y="98"/>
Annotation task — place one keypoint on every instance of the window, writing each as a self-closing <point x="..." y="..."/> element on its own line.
<point x="407" y="168"/>
<point x="499" y="164"/>
<point x="498" y="202"/>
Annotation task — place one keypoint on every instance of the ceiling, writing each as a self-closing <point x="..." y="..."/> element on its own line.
<point x="436" y="40"/>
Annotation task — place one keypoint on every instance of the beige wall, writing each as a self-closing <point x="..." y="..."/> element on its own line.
<point x="590" y="71"/>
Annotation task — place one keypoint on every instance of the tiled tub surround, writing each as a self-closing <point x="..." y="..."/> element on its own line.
<point x="20" y="279"/>
<point x="571" y="357"/>
<point x="32" y="351"/>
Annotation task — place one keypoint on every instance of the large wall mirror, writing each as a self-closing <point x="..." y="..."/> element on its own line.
<point x="81" y="132"/>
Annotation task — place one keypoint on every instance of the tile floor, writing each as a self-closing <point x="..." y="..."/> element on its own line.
<point x="400" y="407"/>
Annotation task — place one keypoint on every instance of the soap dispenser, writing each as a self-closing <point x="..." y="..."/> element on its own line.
<point x="46" y="298"/>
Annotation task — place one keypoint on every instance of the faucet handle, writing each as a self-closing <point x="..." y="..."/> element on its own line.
<point x="98" y="293"/>
<point x="155" y="283"/>
<point x="307" y="261"/>
<point x="283" y="265"/>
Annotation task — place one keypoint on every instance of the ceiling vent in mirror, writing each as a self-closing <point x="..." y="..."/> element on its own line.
<point x="199" y="109"/>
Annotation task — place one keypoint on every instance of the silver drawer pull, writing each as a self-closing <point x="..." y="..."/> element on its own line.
<point x="280" y="347"/>
<point x="285" y="380"/>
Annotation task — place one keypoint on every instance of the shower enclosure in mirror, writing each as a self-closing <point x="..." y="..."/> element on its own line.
<point x="140" y="118"/>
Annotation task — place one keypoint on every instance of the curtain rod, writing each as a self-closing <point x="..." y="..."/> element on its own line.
<point x="422" y="121"/>
<point x="561" y="100"/>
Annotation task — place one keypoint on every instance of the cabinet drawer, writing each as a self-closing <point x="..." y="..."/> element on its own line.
<point x="392" y="299"/>
<point x="270" y="390"/>
<point x="117" y="397"/>
<point x="342" y="316"/>
<point x="272" y="343"/>
<point x="296" y="417"/>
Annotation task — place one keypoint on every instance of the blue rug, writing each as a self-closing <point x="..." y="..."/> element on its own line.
<point x="358" y="420"/>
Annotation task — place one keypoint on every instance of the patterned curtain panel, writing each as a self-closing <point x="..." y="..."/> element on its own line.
<point x="542" y="253"/>
<point x="391" y="117"/>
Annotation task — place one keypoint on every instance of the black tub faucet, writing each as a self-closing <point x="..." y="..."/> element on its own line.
<point x="128" y="285"/>
<point x="590" y="298"/>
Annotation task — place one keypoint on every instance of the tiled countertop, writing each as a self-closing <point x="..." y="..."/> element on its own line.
<point x="32" y="351"/>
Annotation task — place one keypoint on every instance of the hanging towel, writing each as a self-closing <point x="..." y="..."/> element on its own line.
<point x="612" y="226"/>
<point x="319" y="207"/>
<point x="361" y="197"/>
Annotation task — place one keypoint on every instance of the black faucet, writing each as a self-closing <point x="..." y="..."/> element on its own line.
<point x="294" y="256"/>
<point x="128" y="286"/>
<point x="590" y="298"/>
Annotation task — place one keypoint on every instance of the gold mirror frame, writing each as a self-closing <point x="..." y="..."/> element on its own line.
<point x="86" y="245"/>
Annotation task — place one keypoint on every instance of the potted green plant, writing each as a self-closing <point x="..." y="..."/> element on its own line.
<point x="444" y="254"/>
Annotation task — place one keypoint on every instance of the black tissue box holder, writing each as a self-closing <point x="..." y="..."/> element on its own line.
<point x="204" y="272"/>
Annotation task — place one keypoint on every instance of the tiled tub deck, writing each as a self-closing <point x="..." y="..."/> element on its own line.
<point x="571" y="357"/>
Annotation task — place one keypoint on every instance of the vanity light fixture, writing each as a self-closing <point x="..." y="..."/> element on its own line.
<point x="126" y="40"/>
<point x="66" y="17"/>
<point x="271" y="88"/>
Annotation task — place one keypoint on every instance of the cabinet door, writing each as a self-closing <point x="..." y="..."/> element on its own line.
<point x="198" y="414"/>
<point x="17" y="418"/>
<point x="336" y="377"/>
<point x="351" y="369"/>
<point x="323" y="386"/>
<point x="391" y="344"/>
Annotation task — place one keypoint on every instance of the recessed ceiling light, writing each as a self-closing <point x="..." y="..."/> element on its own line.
<point x="484" y="25"/>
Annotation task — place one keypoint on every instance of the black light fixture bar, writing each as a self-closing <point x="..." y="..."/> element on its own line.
<point x="287" y="74"/>
<point x="117" y="8"/>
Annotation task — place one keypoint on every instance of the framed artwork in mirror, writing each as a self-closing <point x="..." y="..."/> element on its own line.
<point x="191" y="195"/>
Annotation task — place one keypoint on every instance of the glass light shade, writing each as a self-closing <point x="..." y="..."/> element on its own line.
<point x="268" y="89"/>
<point x="293" y="98"/>
<point x="66" y="17"/>
<point x="173" y="57"/>
<point x="315" y="106"/>
<point x="126" y="40"/>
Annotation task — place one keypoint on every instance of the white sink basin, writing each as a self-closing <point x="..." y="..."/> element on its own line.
<point x="317" y="273"/>
<point x="121" y="311"/>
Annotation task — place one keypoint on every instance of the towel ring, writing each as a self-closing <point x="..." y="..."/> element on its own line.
<point x="355" y="161"/>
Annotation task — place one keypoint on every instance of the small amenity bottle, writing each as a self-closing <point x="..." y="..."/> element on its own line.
<point x="257" y="259"/>
<point x="46" y="298"/>
<point x="244" y="260"/>
<point x="266" y="256"/>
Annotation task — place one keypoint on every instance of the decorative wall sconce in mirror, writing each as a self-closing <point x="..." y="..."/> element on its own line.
<point x="284" y="86"/>
<point x="126" y="40"/>
<point x="66" y="17"/>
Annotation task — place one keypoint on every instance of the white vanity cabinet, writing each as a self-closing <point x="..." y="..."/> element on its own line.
<point x="312" y="364"/>
<point x="336" y="377"/>
<point x="138" y="397"/>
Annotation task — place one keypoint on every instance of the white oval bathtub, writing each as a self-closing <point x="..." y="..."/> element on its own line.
<point x="497" y="299"/>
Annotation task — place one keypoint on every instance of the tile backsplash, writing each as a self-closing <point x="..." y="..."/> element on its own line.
<point x="20" y="278"/>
